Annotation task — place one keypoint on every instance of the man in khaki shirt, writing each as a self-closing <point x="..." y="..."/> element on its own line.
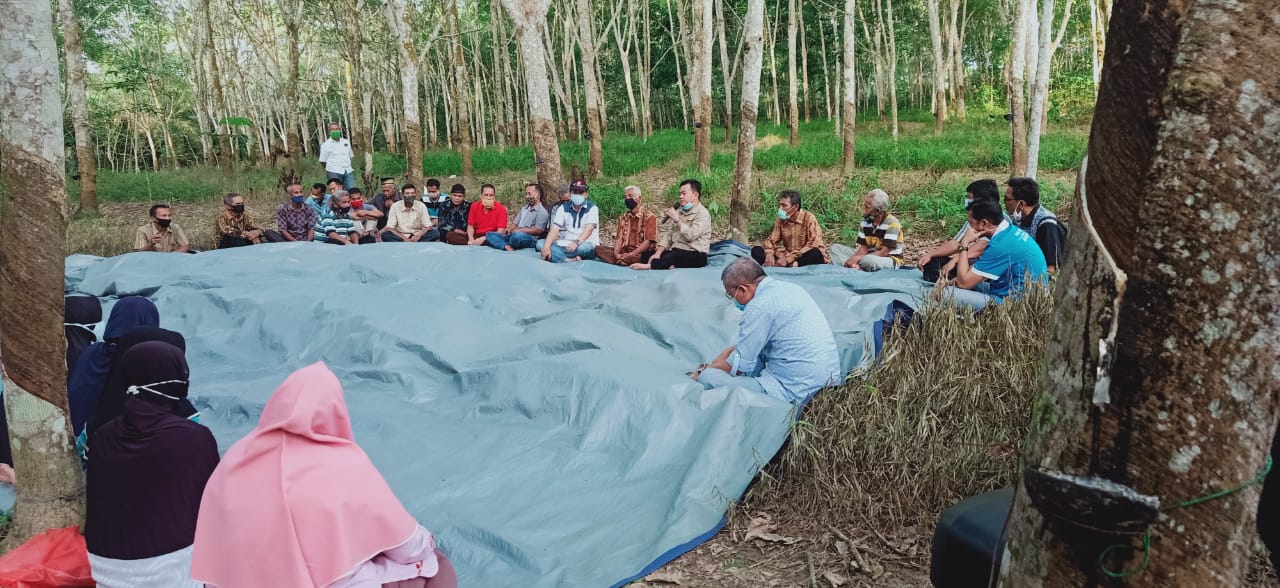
<point x="688" y="240"/>
<point x="408" y="221"/>
<point x="161" y="234"/>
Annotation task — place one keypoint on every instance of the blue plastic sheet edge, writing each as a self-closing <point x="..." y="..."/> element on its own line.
<point x="674" y="552"/>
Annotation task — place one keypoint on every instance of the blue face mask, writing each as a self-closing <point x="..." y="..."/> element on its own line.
<point x="577" y="199"/>
<point x="688" y="206"/>
<point x="782" y="214"/>
<point x="740" y="305"/>
<point x="298" y="199"/>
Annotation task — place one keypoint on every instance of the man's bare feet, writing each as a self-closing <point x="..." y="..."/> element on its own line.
<point x="509" y="248"/>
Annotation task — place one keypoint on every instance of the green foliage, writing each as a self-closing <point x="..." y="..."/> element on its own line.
<point x="193" y="184"/>
<point x="623" y="154"/>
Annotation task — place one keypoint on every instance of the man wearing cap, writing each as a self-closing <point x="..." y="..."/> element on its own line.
<point x="296" y="221"/>
<point x="385" y="198"/>
<point x="453" y="216"/>
<point x="573" y="235"/>
<point x="637" y="233"/>
<point x="486" y="216"/>
<point x="336" y="156"/>
<point x="687" y="242"/>
<point x="407" y="221"/>
<point x="530" y="223"/>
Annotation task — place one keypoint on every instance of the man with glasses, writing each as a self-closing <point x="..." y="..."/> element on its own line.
<point x="785" y="347"/>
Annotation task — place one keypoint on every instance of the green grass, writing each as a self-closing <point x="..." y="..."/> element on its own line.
<point x="192" y="184"/>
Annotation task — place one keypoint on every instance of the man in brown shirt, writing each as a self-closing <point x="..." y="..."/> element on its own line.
<point x="161" y="234"/>
<point x="637" y="233"/>
<point x="234" y="228"/>
<point x="796" y="239"/>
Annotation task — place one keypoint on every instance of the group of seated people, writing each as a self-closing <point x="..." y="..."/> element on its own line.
<point x="570" y="230"/>
<point x="294" y="503"/>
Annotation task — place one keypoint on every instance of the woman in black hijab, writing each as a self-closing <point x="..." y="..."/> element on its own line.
<point x="147" y="471"/>
<point x="80" y="314"/>
<point x="115" y="389"/>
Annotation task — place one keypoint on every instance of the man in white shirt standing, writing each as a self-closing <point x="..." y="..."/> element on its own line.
<point x="336" y="156"/>
<point x="573" y="235"/>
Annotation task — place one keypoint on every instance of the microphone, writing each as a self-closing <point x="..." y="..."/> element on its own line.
<point x="675" y="207"/>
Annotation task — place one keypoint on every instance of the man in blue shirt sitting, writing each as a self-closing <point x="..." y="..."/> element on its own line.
<point x="785" y="347"/>
<point x="1011" y="262"/>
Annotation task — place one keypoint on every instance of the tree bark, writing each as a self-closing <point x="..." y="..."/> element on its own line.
<point x="530" y="17"/>
<point x="461" y="84"/>
<point x="703" y="23"/>
<point x="793" y="123"/>
<point x="31" y="284"/>
<point x="220" y="99"/>
<point x="1040" y="96"/>
<point x="1186" y="137"/>
<point x="587" y="43"/>
<point x="939" y="67"/>
<point x="400" y="20"/>
<point x="1017" y="74"/>
<point x="292" y="12"/>
<point x="753" y="62"/>
<point x="772" y="48"/>
<point x="79" y="102"/>
<point x="850" y="87"/>
<point x="726" y="72"/>
<point x="893" y="70"/>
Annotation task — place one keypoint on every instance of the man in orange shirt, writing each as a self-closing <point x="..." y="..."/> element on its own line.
<point x="486" y="216"/>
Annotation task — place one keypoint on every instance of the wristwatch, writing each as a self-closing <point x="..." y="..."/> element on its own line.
<point x="962" y="248"/>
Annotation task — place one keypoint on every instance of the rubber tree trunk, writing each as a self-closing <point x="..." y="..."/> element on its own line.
<point x="850" y="106"/>
<point x="291" y="10"/>
<point x="219" y="97"/>
<point x="753" y="62"/>
<point x="31" y="284"/>
<point x="939" y="67"/>
<point x="703" y="23"/>
<point x="530" y="18"/>
<point x="1161" y="369"/>
<point x="1017" y="82"/>
<point x="461" y="84"/>
<point x="1040" y="94"/>
<point x="587" y="43"/>
<point x="793" y="81"/>
<point x="400" y="20"/>
<point x="79" y="102"/>
<point x="726" y="72"/>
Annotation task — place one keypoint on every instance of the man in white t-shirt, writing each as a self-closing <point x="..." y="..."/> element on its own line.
<point x="336" y="156"/>
<point x="572" y="235"/>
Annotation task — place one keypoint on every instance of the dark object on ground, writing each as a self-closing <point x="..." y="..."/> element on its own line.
<point x="1269" y="507"/>
<point x="969" y="540"/>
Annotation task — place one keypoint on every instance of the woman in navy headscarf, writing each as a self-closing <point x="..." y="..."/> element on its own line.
<point x="81" y="314"/>
<point x="146" y="475"/>
<point x="91" y="369"/>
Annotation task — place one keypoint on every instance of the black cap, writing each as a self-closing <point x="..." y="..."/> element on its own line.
<point x="578" y="187"/>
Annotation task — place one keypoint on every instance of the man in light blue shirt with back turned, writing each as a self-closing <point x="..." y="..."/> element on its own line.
<point x="785" y="347"/>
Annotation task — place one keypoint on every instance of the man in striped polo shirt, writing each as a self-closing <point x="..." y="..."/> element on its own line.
<point x="335" y="225"/>
<point x="880" y="244"/>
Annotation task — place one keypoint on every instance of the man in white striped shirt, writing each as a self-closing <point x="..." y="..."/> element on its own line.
<point x="880" y="244"/>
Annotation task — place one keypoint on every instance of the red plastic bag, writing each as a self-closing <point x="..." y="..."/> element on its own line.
<point x="56" y="558"/>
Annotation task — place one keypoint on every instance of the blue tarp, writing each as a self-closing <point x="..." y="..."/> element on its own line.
<point x="536" y="417"/>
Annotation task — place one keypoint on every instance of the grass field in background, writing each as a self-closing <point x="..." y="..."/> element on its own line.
<point x="925" y="174"/>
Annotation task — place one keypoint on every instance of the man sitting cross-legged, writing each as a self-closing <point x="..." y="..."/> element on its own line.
<point x="796" y="239"/>
<point x="785" y="347"/>
<point x="407" y="220"/>
<point x="486" y="216"/>
<point x="530" y="223"/>
<point x="688" y="241"/>
<point x="573" y="235"/>
<point x="880" y="244"/>
<point x="637" y="233"/>
<point x="1011" y="262"/>
<point x="452" y="222"/>
<point x="336" y="226"/>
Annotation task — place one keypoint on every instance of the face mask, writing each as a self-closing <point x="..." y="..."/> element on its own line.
<point x="357" y="204"/>
<point x="164" y="222"/>
<point x="87" y="327"/>
<point x="967" y="203"/>
<point x="344" y="209"/>
<point x="531" y="200"/>
<point x="688" y="206"/>
<point x="577" y="199"/>
<point x="631" y="203"/>
<point x="134" y="390"/>
<point x="1016" y="216"/>
<point x="237" y="208"/>
<point x="782" y="214"/>
<point x="335" y="135"/>
<point x="487" y="204"/>
<point x="740" y="305"/>
<point x="299" y="199"/>
<point x="408" y="200"/>
<point x="869" y="218"/>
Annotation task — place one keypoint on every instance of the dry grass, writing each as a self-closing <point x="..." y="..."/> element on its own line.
<point x="939" y="419"/>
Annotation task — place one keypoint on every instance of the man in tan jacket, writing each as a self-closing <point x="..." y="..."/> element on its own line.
<point x="688" y="240"/>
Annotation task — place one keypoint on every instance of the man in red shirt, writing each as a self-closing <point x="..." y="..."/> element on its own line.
<point x="485" y="216"/>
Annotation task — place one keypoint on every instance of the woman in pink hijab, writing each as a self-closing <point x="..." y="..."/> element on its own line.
<point x="297" y="504"/>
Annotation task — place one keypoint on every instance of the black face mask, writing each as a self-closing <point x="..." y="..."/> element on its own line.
<point x="869" y="218"/>
<point x="163" y="222"/>
<point x="237" y="208"/>
<point x="631" y="203"/>
<point x="344" y="209"/>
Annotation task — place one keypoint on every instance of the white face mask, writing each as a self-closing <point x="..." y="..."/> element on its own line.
<point x="1016" y="216"/>
<point x="85" y="326"/>
<point x="134" y="390"/>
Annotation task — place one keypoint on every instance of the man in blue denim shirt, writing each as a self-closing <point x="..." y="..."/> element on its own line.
<point x="785" y="347"/>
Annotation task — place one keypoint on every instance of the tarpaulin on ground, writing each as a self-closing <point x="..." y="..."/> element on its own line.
<point x="536" y="417"/>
